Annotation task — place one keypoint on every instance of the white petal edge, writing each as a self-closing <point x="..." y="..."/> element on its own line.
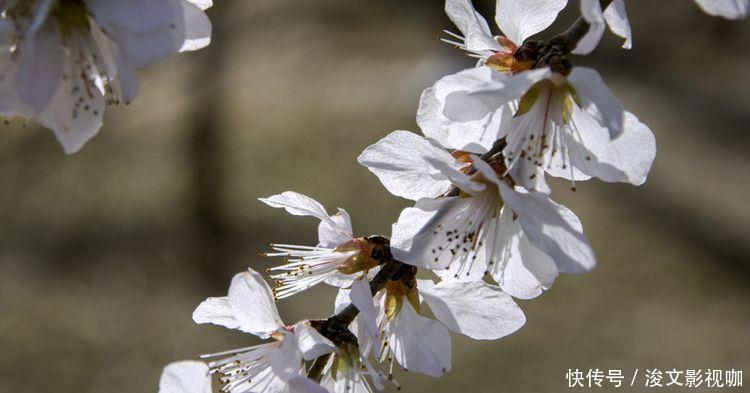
<point x="520" y="19"/>
<point x="729" y="9"/>
<point x="617" y="19"/>
<point x="420" y="344"/>
<point x="476" y="32"/>
<point x="597" y="99"/>
<point x="553" y="228"/>
<point x="475" y="309"/>
<point x="185" y="377"/>
<point x="403" y="163"/>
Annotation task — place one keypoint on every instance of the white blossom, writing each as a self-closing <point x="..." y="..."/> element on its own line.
<point x="730" y="9"/>
<point x="395" y="330"/>
<point x="336" y="259"/>
<point x="450" y="110"/>
<point x="521" y="19"/>
<point x="475" y="221"/>
<point x="185" y="377"/>
<point x="517" y="19"/>
<point x="274" y="366"/>
<point x="568" y="126"/>
<point x="64" y="61"/>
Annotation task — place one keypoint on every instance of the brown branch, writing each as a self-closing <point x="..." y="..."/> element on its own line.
<point x="340" y="321"/>
<point x="347" y="315"/>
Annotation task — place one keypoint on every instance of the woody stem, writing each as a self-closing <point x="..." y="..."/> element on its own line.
<point x="346" y="316"/>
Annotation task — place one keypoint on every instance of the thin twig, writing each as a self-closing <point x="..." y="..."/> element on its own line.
<point x="346" y="316"/>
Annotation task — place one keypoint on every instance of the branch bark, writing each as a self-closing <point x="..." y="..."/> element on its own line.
<point x="346" y="316"/>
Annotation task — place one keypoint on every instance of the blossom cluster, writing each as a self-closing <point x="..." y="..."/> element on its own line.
<point x="62" y="62"/>
<point x="483" y="227"/>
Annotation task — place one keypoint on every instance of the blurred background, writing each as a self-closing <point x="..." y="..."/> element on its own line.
<point x="104" y="254"/>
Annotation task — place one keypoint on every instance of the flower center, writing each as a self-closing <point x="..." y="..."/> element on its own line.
<point x="362" y="260"/>
<point x="508" y="62"/>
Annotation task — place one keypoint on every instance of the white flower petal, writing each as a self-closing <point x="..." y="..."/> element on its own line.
<point x="520" y="19"/>
<point x="462" y="83"/>
<point x="250" y="303"/>
<point x="141" y="49"/>
<point x="361" y="296"/>
<point x="310" y="342"/>
<point x="343" y="385"/>
<point x="627" y="158"/>
<point x="342" y="300"/>
<point x="617" y="20"/>
<point x="521" y="269"/>
<point x="266" y="381"/>
<point x="249" y="307"/>
<point x="137" y="16"/>
<point x="475" y="309"/>
<point x="149" y="31"/>
<point x="597" y="99"/>
<point x="473" y="122"/>
<point x="331" y="237"/>
<point x="474" y="27"/>
<point x="301" y="205"/>
<point x="341" y="280"/>
<point x="10" y="103"/>
<point x="185" y="377"/>
<point x="420" y="344"/>
<point x="76" y="111"/>
<point x="286" y="358"/>
<point x="552" y="228"/>
<point x="218" y="311"/>
<point x="400" y="161"/>
<point x="457" y="178"/>
<point x="194" y="26"/>
<point x="305" y="385"/>
<point x="297" y="204"/>
<point x="591" y="10"/>
<point x="730" y="9"/>
<point x="41" y="67"/>
<point x="413" y="239"/>
<point x="493" y="95"/>
<point x="202" y="4"/>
